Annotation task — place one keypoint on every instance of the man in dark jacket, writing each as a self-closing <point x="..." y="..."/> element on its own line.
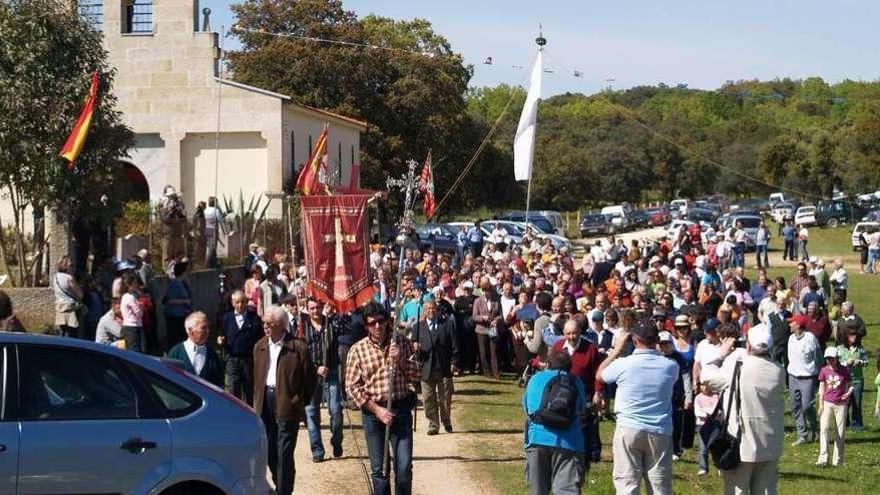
<point x="284" y="379"/>
<point x="322" y="339"/>
<point x="464" y="326"/>
<point x="241" y="330"/>
<point x="194" y="354"/>
<point x="439" y="354"/>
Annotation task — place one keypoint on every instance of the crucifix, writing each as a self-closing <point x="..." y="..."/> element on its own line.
<point x="339" y="238"/>
<point x="409" y="184"/>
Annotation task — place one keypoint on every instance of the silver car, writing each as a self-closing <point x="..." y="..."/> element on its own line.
<point x="79" y="417"/>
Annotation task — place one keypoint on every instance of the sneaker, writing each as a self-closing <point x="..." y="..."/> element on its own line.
<point x="337" y="451"/>
<point x="799" y="441"/>
<point x="675" y="457"/>
<point x="318" y="459"/>
<point x="822" y="463"/>
<point x="447" y="427"/>
<point x="432" y="431"/>
<point x="702" y="472"/>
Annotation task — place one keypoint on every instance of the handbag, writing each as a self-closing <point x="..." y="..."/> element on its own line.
<point x="723" y="446"/>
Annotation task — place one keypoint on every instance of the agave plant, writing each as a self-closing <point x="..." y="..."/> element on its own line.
<point x="243" y="218"/>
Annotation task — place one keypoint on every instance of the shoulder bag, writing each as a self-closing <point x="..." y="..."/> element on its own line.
<point x="723" y="446"/>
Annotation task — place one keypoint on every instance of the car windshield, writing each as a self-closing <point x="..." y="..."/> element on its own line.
<point x="594" y="218"/>
<point x="749" y="222"/>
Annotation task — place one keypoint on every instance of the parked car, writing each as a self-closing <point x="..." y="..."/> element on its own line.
<point x="872" y="216"/>
<point x="679" y="204"/>
<point x="783" y="211"/>
<point x="858" y="229"/>
<point x="776" y="199"/>
<point x="835" y="212"/>
<point x="554" y="217"/>
<point x="80" y="417"/>
<point x="658" y="216"/>
<point x="749" y="223"/>
<point x="619" y="215"/>
<point x="596" y="224"/>
<point x="640" y="219"/>
<point x="805" y="215"/>
<point x="540" y="220"/>
<point x="439" y="237"/>
<point x="514" y="231"/>
<point x="702" y="216"/>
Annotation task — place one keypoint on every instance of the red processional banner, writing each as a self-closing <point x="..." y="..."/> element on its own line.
<point x="336" y="243"/>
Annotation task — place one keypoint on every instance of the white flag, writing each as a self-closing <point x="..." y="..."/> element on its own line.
<point x="524" y="142"/>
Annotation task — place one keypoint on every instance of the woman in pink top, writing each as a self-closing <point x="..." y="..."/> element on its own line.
<point x="132" y="313"/>
<point x="835" y="387"/>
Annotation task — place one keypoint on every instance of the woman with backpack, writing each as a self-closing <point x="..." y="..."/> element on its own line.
<point x="554" y="439"/>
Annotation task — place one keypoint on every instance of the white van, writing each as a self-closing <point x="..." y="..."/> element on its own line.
<point x="679" y="204"/>
<point x="777" y="198"/>
<point x="554" y="217"/>
<point x="618" y="215"/>
<point x="805" y="215"/>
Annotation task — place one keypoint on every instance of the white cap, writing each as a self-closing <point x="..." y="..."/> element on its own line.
<point x="467" y="284"/>
<point x="760" y="337"/>
<point x="664" y="337"/>
<point x="831" y="352"/>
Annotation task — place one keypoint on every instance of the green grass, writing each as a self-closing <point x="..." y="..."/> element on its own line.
<point x="491" y="411"/>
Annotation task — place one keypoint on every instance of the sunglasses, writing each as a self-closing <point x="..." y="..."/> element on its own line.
<point x="375" y="323"/>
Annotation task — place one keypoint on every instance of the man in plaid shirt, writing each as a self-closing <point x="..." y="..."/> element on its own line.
<point x="366" y="380"/>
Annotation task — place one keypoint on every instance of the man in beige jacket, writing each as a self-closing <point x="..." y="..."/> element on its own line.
<point x="760" y="418"/>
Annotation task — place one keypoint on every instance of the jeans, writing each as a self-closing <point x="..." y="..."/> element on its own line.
<point x="855" y="406"/>
<point x="802" y="392"/>
<point x="239" y="377"/>
<point x="804" y="254"/>
<point x="327" y="390"/>
<point x="282" y="441"/>
<point x="739" y="254"/>
<point x="401" y="445"/>
<point x="873" y="257"/>
<point x="789" y="251"/>
<point x="704" y="455"/>
<point x="761" y="256"/>
<point x="560" y="470"/>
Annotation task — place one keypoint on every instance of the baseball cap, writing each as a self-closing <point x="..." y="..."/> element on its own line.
<point x="664" y="337"/>
<point x="831" y="352"/>
<point x="800" y="319"/>
<point x="678" y="261"/>
<point x="682" y="321"/>
<point x="467" y="285"/>
<point x="597" y="316"/>
<point x="655" y="259"/>
<point x="711" y="325"/>
<point x="760" y="338"/>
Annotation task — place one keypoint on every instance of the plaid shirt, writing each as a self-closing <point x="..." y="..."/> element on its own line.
<point x="366" y="376"/>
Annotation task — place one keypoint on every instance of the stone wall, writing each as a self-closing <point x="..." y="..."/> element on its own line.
<point x="35" y="307"/>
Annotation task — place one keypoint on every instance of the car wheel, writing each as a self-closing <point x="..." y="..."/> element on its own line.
<point x="832" y="223"/>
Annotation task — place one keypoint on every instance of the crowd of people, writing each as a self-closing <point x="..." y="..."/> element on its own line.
<point x="656" y="336"/>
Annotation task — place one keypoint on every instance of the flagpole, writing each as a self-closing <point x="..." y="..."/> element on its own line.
<point x="540" y="41"/>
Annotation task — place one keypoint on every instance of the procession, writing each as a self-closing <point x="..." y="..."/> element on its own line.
<point x="285" y="247"/>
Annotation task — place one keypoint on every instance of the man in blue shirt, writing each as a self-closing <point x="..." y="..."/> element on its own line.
<point x="643" y="436"/>
<point x="475" y="237"/>
<point x="555" y="457"/>
<point x="790" y="249"/>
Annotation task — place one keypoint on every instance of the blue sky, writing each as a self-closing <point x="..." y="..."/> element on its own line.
<point x="701" y="43"/>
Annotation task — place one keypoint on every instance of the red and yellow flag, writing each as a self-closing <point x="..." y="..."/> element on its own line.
<point x="309" y="181"/>
<point x="426" y="185"/>
<point x="77" y="138"/>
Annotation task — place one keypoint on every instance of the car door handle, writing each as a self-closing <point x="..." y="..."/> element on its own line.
<point x="137" y="445"/>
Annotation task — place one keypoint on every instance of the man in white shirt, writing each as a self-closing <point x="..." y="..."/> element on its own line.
<point x="803" y="353"/>
<point x="839" y="278"/>
<point x="213" y="222"/>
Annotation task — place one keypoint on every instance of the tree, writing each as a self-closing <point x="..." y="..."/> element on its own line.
<point x="47" y="55"/>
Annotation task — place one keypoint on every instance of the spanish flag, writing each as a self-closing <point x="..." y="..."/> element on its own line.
<point x="309" y="181"/>
<point x="77" y="138"/>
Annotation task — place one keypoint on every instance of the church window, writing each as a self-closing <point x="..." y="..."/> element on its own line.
<point x="92" y="11"/>
<point x="137" y="16"/>
<point x="352" y="155"/>
<point x="339" y="162"/>
<point x="310" y="146"/>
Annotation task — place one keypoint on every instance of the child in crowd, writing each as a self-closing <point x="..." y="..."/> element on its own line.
<point x="704" y="404"/>
<point x="835" y="389"/>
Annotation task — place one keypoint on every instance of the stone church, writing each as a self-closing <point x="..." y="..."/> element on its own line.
<point x="185" y="113"/>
